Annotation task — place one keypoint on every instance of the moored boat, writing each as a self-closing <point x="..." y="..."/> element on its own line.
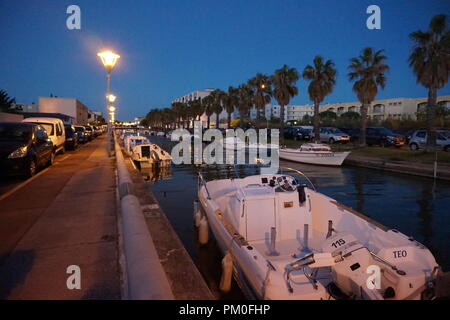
<point x="149" y="154"/>
<point x="288" y="241"/>
<point x="314" y="153"/>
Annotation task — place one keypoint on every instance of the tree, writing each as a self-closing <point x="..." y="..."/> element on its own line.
<point x="208" y="103"/>
<point x="230" y="102"/>
<point x="5" y="101"/>
<point x="244" y="102"/>
<point x="284" y="89"/>
<point x="430" y="61"/>
<point x="323" y="79"/>
<point x="262" y="92"/>
<point x="369" y="72"/>
<point x="217" y="106"/>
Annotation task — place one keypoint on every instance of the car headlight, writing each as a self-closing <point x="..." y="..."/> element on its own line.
<point x="19" y="153"/>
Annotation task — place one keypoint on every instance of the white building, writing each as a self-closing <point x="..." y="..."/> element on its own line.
<point x="396" y="108"/>
<point x="67" y="106"/>
<point x="197" y="94"/>
<point x="94" y="116"/>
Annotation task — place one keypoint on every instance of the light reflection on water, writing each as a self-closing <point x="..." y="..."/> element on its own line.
<point x="416" y="206"/>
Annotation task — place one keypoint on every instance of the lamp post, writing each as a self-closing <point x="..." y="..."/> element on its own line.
<point x="109" y="60"/>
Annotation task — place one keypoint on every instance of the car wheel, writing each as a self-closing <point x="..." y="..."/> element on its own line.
<point x="32" y="168"/>
<point x="51" y="160"/>
<point x="413" y="146"/>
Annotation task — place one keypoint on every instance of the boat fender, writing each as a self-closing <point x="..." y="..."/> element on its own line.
<point x="227" y="272"/>
<point x="197" y="213"/>
<point x="203" y="231"/>
<point x="301" y="194"/>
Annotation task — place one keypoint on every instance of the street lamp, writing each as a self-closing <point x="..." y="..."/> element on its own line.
<point x="109" y="60"/>
<point x="111" y="98"/>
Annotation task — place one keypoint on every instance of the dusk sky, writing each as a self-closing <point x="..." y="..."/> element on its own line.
<point x="169" y="48"/>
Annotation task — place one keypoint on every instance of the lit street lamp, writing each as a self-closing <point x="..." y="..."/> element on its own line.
<point x="111" y="98"/>
<point x="109" y="60"/>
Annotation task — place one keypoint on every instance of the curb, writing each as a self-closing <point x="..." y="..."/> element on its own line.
<point x="145" y="275"/>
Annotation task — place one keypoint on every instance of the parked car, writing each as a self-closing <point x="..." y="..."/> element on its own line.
<point x="82" y="134"/>
<point x="297" y="133"/>
<point x="383" y="137"/>
<point x="352" y="132"/>
<point x="97" y="131"/>
<point x="71" y="137"/>
<point x="332" y="135"/>
<point x="55" y="131"/>
<point x="419" y="140"/>
<point x="24" y="147"/>
<point x="89" y="132"/>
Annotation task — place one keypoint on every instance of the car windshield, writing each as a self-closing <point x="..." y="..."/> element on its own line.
<point x="386" y="132"/>
<point x="334" y="130"/>
<point x="48" y="127"/>
<point x="14" y="132"/>
<point x="79" y="129"/>
<point x="446" y="134"/>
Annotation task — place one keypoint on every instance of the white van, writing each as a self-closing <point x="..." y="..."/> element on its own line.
<point x="55" y="131"/>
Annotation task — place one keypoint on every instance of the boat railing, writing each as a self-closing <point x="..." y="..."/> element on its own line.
<point x="202" y="181"/>
<point x="299" y="173"/>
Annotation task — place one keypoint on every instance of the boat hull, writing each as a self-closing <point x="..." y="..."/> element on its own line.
<point x="324" y="159"/>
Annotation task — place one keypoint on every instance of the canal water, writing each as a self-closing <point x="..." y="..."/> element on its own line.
<point x="418" y="207"/>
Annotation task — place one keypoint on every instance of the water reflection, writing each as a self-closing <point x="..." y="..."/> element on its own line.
<point x="415" y="206"/>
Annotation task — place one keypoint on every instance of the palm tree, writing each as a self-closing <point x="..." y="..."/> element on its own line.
<point x="177" y="108"/>
<point x="323" y="79"/>
<point x="217" y="106"/>
<point x="5" y="101"/>
<point x="284" y="89"/>
<point x="208" y="103"/>
<point x="369" y="72"/>
<point x="261" y="87"/>
<point x="230" y="103"/>
<point x="244" y="102"/>
<point x="430" y="61"/>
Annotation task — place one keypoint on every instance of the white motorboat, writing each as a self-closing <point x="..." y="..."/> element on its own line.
<point x="261" y="146"/>
<point x="160" y="134"/>
<point x="287" y="241"/>
<point x="130" y="141"/>
<point x="233" y="143"/>
<point x="314" y="153"/>
<point x="149" y="154"/>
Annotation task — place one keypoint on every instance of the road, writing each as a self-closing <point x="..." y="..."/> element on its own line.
<point x="64" y="216"/>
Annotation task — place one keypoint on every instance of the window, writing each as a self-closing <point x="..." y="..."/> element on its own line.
<point x="421" y="134"/>
<point x="41" y="134"/>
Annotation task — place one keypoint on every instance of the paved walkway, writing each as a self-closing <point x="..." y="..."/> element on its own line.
<point x="66" y="216"/>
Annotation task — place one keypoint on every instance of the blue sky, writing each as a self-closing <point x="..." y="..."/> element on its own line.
<point x="169" y="48"/>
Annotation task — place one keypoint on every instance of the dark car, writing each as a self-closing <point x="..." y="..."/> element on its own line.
<point x="24" y="148"/>
<point x="383" y="137"/>
<point x="71" y="137"/>
<point x="297" y="133"/>
<point x="81" y="133"/>
<point x="89" y="132"/>
<point x="97" y="131"/>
